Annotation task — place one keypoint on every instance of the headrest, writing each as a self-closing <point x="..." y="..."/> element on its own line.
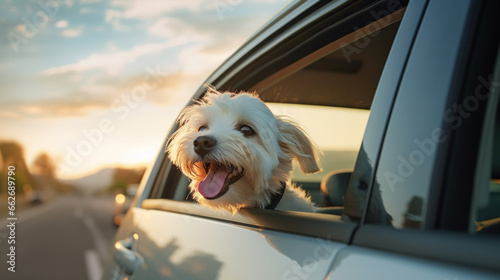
<point x="334" y="186"/>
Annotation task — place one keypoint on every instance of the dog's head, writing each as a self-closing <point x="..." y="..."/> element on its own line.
<point x="236" y="152"/>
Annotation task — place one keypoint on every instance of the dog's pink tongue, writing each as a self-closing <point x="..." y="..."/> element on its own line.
<point x="213" y="183"/>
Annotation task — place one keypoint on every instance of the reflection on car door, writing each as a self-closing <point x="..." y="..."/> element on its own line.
<point x="201" y="248"/>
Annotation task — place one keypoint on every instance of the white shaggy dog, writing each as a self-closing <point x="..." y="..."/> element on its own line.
<point x="239" y="155"/>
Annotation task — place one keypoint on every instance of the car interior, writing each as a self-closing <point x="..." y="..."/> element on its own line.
<point x="345" y="81"/>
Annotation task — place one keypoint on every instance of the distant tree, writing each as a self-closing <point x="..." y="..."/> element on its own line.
<point x="118" y="186"/>
<point x="13" y="155"/>
<point x="12" y="151"/>
<point x="44" y="165"/>
<point x="123" y="177"/>
<point x="3" y="172"/>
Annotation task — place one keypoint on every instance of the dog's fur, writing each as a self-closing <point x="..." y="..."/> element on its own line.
<point x="264" y="159"/>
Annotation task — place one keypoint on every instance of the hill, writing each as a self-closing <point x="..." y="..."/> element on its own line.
<point x="93" y="182"/>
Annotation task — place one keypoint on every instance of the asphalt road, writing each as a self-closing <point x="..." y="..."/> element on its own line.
<point x="69" y="237"/>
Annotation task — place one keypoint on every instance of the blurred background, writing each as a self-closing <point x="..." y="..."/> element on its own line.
<point x="88" y="91"/>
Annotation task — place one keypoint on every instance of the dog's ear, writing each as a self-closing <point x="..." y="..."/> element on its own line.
<point x="295" y="143"/>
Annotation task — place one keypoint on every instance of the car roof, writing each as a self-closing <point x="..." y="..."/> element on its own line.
<point x="291" y="37"/>
<point x="287" y="21"/>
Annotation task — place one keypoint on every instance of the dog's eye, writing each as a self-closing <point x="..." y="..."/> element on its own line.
<point x="202" y="128"/>
<point x="246" y="130"/>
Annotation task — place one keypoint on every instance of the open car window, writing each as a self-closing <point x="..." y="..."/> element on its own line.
<point x="329" y="92"/>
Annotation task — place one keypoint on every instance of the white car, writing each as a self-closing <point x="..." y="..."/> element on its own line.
<point x="123" y="201"/>
<point x="402" y="98"/>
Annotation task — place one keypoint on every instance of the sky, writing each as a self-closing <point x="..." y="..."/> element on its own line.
<point x="98" y="84"/>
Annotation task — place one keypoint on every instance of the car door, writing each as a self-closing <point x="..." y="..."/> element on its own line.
<point x="434" y="209"/>
<point x="168" y="236"/>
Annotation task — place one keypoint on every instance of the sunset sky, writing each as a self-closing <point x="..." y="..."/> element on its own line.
<point x="98" y="83"/>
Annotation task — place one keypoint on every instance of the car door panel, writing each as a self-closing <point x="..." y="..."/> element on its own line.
<point x="362" y="263"/>
<point x="176" y="246"/>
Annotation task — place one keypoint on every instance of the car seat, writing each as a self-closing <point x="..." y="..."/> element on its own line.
<point x="334" y="187"/>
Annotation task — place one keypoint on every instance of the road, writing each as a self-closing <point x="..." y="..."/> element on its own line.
<point x="69" y="237"/>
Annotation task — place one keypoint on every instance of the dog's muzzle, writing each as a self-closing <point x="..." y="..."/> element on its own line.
<point x="219" y="176"/>
<point x="203" y="144"/>
<point x="218" y="179"/>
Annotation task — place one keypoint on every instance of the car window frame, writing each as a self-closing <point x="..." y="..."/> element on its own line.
<point x="365" y="167"/>
<point x="317" y="224"/>
<point x="449" y="81"/>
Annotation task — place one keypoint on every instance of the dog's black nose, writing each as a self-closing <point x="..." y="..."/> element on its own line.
<point x="203" y="144"/>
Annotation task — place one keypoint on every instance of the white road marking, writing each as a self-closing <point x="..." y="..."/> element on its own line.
<point x="100" y="254"/>
<point x="94" y="269"/>
<point x="100" y="244"/>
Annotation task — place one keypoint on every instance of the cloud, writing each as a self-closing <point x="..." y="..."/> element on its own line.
<point x="87" y="10"/>
<point x="14" y="10"/>
<point x="218" y="38"/>
<point x="214" y="40"/>
<point x="173" y="27"/>
<point x="72" y="32"/>
<point x="113" y="61"/>
<point x="75" y="104"/>
<point x="146" y="9"/>
<point x="169" y="87"/>
<point x="103" y="94"/>
<point x="112" y="14"/>
<point x="8" y="113"/>
<point x="192" y="43"/>
<point x="274" y="1"/>
<point x="114" y="17"/>
<point x="69" y="3"/>
<point x="166" y="27"/>
<point x="62" y="24"/>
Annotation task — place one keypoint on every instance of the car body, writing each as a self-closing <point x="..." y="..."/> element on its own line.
<point x="417" y="199"/>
